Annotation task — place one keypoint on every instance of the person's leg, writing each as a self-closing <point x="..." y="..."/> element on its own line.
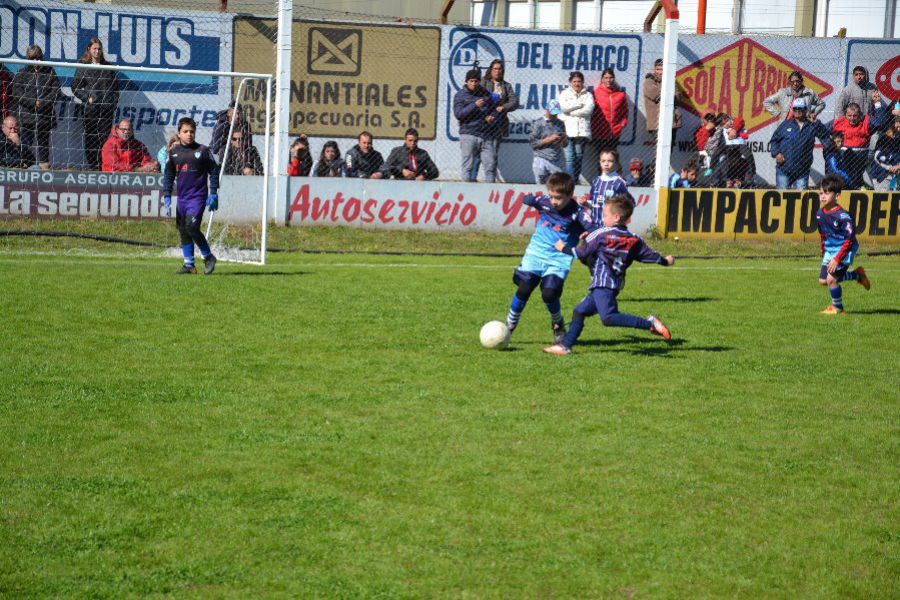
<point x="96" y="130"/>
<point x="608" y="308"/>
<point x="193" y="228"/>
<point x="551" y="292"/>
<point x="570" y="158"/>
<point x="489" y="159"/>
<point x="526" y="283"/>
<point x="832" y="281"/>
<point x="42" y="145"/>
<point x="586" y="308"/>
<point x="577" y="145"/>
<point x="187" y="242"/>
<point x="801" y="183"/>
<point x="468" y="147"/>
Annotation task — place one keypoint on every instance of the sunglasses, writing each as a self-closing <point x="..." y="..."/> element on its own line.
<point x="237" y="139"/>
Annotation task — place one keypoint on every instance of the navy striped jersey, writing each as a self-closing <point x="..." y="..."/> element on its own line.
<point x="838" y="235"/>
<point x="191" y="166"/>
<point x="603" y="187"/>
<point x="609" y="251"/>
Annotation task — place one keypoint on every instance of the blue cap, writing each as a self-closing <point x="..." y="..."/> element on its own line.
<point x="799" y="103"/>
<point x="553" y="107"/>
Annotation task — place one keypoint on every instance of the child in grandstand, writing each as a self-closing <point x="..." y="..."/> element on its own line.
<point x="838" y="244"/>
<point x="330" y="162"/>
<point x="834" y="158"/>
<point x="162" y="157"/>
<point x="192" y="165"/>
<point x="605" y="185"/>
<point x="608" y="252"/>
<point x="688" y="176"/>
<point x="561" y="219"/>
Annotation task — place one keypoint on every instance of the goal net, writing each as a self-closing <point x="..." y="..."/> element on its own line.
<point x="90" y="145"/>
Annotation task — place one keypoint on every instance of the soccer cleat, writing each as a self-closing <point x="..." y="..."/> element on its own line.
<point x="863" y="278"/>
<point x="558" y="350"/>
<point x="186" y="270"/>
<point x="559" y="331"/>
<point x="832" y="310"/>
<point x="209" y="264"/>
<point x="657" y="327"/>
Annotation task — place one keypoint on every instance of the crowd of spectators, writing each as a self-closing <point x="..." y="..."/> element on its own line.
<point x="861" y="144"/>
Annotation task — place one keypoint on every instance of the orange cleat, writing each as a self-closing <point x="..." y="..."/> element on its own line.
<point x="657" y="327"/>
<point x="863" y="278"/>
<point x="558" y="350"/>
<point x="831" y="310"/>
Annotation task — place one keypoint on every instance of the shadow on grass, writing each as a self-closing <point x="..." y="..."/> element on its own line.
<point x="263" y="273"/>
<point x="650" y="346"/>
<point x="875" y="311"/>
<point x="686" y="300"/>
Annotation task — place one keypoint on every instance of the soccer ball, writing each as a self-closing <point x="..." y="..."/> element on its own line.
<point x="495" y="335"/>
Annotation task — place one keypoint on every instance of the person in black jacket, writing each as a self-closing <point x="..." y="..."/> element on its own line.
<point x="243" y="158"/>
<point x="33" y="93"/>
<point x="330" y="162"/>
<point x="13" y="153"/>
<point x="98" y="90"/>
<point x="409" y="161"/>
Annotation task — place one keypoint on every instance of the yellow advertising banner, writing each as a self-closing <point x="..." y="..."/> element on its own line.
<point x="348" y="77"/>
<point x="728" y="214"/>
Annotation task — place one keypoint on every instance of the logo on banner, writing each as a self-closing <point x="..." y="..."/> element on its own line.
<point x="475" y="50"/>
<point x="887" y="79"/>
<point x="736" y="79"/>
<point x="335" y="51"/>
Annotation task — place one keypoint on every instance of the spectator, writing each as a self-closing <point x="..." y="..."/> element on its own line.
<point x="737" y="166"/>
<point x="98" y="90"/>
<point x="885" y="168"/>
<point x="611" y="112"/>
<point x="652" y="98"/>
<point x="408" y="161"/>
<point x="330" y="163"/>
<point x="688" y="176"/>
<point x="223" y="126"/>
<point x="707" y="127"/>
<point x="123" y="153"/>
<point x="857" y="131"/>
<point x="577" y="106"/>
<point x="363" y="161"/>
<point x="548" y="138"/>
<point x="834" y="157"/>
<point x="13" y="153"/>
<point x="858" y="91"/>
<point x="714" y="149"/>
<point x="473" y="107"/>
<point x="241" y="158"/>
<point x="301" y="161"/>
<point x="637" y="177"/>
<point x="162" y="157"/>
<point x="505" y="101"/>
<point x="33" y="94"/>
<point x="783" y="100"/>
<point x="792" y="147"/>
<point x="5" y="80"/>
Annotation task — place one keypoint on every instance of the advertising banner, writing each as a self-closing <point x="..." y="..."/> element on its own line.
<point x="728" y="214"/>
<point x="430" y="205"/>
<point x="350" y="77"/>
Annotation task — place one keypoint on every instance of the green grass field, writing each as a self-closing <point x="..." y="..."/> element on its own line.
<point x="329" y="426"/>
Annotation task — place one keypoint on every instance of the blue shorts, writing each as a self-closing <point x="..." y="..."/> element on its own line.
<point x="838" y="273"/>
<point x="599" y="301"/>
<point x="558" y="265"/>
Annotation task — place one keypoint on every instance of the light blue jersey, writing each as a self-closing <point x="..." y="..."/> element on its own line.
<point x="541" y="256"/>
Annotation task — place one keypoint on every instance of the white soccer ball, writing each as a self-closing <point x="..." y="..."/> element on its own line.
<point x="495" y="335"/>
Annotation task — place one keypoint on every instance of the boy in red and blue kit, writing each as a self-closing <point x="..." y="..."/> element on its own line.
<point x="192" y="164"/>
<point x="608" y="252"/>
<point x="838" y="245"/>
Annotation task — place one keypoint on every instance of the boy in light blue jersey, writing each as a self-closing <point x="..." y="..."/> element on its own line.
<point x="838" y="245"/>
<point x="561" y="218"/>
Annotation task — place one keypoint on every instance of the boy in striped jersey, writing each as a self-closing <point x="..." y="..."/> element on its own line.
<point x="839" y="244"/>
<point x="608" y="252"/>
<point x="605" y="185"/>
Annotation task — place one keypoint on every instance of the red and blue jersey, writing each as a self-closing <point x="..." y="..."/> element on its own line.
<point x="838" y="234"/>
<point x="609" y="251"/>
<point x="189" y="167"/>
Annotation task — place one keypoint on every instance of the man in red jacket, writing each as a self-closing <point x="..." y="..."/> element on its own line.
<point x="857" y="130"/>
<point x="610" y="112"/>
<point x="122" y="152"/>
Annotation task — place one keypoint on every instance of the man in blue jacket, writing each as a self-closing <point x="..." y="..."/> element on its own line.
<point x="473" y="107"/>
<point x="792" y="147"/>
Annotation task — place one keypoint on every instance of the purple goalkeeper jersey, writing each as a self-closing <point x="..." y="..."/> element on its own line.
<point x="189" y="167"/>
<point x="609" y="251"/>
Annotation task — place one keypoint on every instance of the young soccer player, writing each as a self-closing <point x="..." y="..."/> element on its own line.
<point x="609" y="252"/>
<point x="838" y="245"/>
<point x="605" y="185"/>
<point x="192" y="164"/>
<point x="561" y="219"/>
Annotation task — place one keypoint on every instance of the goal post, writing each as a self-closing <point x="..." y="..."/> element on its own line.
<point x="122" y="199"/>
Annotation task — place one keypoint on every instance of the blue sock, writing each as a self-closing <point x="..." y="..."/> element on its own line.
<point x="836" y="299"/>
<point x="851" y="276"/>
<point x="575" y="328"/>
<point x="205" y="252"/>
<point x="187" y="250"/>
<point x="515" y="311"/>
<point x="624" y="320"/>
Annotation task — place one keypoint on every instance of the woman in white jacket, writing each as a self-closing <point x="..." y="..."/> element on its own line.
<point x="577" y="106"/>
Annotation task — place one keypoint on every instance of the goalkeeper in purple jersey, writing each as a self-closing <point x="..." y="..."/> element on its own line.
<point x="190" y="165"/>
<point x="608" y="252"/>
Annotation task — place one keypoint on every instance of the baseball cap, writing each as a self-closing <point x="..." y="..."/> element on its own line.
<point x="635" y="163"/>
<point x="799" y="103"/>
<point x="553" y="107"/>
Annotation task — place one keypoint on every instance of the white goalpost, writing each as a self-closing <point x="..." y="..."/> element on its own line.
<point x="78" y="196"/>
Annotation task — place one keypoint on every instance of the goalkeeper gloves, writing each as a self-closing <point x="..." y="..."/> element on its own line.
<point x="167" y="205"/>
<point x="212" y="203"/>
